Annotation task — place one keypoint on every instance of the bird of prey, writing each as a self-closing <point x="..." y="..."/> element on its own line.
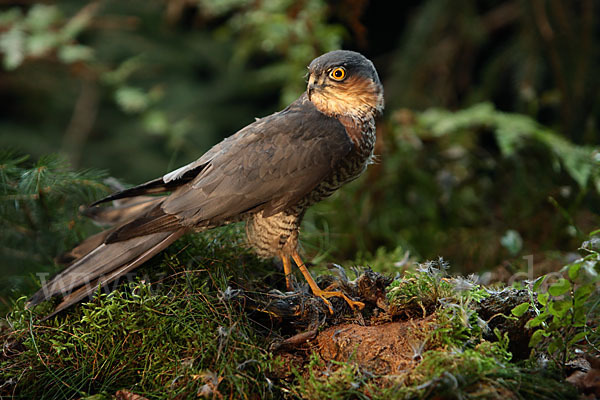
<point x="267" y="174"/>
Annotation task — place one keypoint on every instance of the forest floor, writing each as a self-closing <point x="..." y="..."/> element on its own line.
<point x="204" y="320"/>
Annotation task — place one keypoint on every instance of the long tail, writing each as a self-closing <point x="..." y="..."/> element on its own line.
<point x="120" y="213"/>
<point x="138" y="230"/>
<point x="101" y="266"/>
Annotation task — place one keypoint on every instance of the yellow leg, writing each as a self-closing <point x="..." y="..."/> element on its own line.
<point x="287" y="270"/>
<point x="317" y="291"/>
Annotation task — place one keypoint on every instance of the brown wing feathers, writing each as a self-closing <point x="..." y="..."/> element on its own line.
<point x="269" y="165"/>
<point x="102" y="266"/>
<point x="142" y="230"/>
<point x="155" y="186"/>
<point x="152" y="222"/>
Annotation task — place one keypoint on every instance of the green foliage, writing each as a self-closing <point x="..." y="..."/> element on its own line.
<point x="469" y="364"/>
<point x="458" y="324"/>
<point x="566" y="318"/>
<point x="177" y="330"/>
<point x="141" y="87"/>
<point x="132" y="88"/>
<point x="521" y="309"/>
<point x="42" y="31"/>
<point x="39" y="217"/>
<point x="176" y="335"/>
<point x="386" y="262"/>
<point x="532" y="58"/>
<point x="514" y="132"/>
<point x="476" y="185"/>
<point x="283" y="29"/>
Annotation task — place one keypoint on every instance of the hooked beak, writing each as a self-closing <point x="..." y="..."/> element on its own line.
<point x="311" y="86"/>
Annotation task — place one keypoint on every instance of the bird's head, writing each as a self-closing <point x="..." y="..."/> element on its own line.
<point x="345" y="83"/>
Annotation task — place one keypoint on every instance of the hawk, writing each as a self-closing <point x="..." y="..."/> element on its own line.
<point x="267" y="174"/>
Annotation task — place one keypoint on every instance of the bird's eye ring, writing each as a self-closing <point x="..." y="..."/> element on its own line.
<point x="337" y="74"/>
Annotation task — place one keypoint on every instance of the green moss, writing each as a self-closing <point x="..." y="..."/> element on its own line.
<point x="167" y="339"/>
<point x="417" y="292"/>
<point x="477" y="374"/>
<point x="335" y="382"/>
<point x="177" y="331"/>
<point x="179" y="327"/>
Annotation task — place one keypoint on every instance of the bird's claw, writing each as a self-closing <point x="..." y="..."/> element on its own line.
<point x="325" y="295"/>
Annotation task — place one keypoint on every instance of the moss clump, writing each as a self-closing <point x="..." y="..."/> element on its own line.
<point x="329" y="382"/>
<point x="477" y="373"/>
<point x="480" y="373"/>
<point x="417" y="293"/>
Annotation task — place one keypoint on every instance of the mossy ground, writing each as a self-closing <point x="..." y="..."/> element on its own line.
<point x="195" y="323"/>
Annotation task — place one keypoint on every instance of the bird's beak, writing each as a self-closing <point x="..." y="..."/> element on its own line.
<point x="311" y="86"/>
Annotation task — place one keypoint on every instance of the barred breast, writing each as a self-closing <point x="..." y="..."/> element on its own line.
<point x="269" y="236"/>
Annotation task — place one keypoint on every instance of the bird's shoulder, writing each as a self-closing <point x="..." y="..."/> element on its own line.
<point x="300" y="121"/>
<point x="300" y="127"/>
<point x="269" y="165"/>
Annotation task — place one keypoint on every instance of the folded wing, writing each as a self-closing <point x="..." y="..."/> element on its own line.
<point x="267" y="166"/>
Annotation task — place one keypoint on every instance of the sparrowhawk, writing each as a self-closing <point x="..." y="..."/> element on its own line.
<point x="267" y="174"/>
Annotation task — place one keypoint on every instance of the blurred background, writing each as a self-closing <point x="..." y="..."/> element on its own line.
<point x="487" y="151"/>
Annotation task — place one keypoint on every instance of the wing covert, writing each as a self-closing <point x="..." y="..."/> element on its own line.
<point x="269" y="165"/>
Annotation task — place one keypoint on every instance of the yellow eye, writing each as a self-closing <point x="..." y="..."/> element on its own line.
<point x="337" y="74"/>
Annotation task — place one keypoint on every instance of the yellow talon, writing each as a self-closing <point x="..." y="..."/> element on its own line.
<point x="317" y="291"/>
<point x="325" y="295"/>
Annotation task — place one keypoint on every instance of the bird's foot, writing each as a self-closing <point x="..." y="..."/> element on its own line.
<point x="325" y="295"/>
<point x="317" y="291"/>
